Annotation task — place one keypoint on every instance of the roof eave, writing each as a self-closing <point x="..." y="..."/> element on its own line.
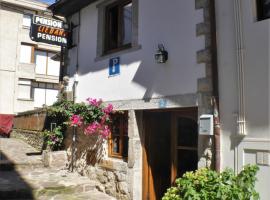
<point x="68" y="7"/>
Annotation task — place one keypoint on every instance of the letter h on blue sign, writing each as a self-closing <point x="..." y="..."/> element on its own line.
<point x="114" y="66"/>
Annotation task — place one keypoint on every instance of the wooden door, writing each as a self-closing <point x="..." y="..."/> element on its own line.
<point x="157" y="161"/>
<point x="184" y="143"/>
<point x="169" y="149"/>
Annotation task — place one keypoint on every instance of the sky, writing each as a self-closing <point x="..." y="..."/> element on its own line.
<point x="48" y="1"/>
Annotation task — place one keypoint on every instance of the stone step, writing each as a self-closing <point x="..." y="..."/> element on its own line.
<point x="42" y="183"/>
<point x="6" y="165"/>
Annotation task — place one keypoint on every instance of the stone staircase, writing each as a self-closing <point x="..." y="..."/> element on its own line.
<point x="23" y="176"/>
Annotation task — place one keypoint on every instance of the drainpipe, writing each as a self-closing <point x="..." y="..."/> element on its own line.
<point x="215" y="97"/>
<point x="74" y="131"/>
<point x="241" y="118"/>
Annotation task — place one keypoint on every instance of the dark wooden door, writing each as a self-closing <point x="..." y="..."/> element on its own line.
<point x="157" y="160"/>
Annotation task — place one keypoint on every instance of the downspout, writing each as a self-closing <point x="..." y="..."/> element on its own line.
<point x="75" y="84"/>
<point x="241" y="118"/>
<point x="215" y="97"/>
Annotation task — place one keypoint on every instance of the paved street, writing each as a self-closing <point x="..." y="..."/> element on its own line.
<point x="22" y="176"/>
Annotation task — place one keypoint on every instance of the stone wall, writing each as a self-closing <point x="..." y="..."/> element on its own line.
<point x="33" y="138"/>
<point x="90" y="159"/>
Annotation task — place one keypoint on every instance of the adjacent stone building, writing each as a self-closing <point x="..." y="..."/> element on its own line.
<point x="28" y="76"/>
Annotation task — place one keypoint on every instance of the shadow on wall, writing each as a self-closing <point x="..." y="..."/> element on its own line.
<point x="88" y="150"/>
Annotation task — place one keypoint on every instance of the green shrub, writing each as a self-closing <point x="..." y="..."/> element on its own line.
<point x="206" y="184"/>
<point x="54" y="139"/>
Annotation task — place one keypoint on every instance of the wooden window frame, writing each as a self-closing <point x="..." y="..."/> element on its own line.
<point x="107" y="46"/>
<point x="32" y="60"/>
<point x="123" y="117"/>
<point x="47" y="60"/>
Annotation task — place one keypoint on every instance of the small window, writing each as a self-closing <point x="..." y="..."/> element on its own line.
<point x="263" y="9"/>
<point x="45" y="65"/>
<point x="118" y="140"/>
<point x="118" y="26"/>
<point x="24" y="89"/>
<point x="26" y="20"/>
<point x="44" y="94"/>
<point x="27" y="53"/>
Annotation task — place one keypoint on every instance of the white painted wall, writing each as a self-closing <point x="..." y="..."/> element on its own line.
<point x="237" y="151"/>
<point x="172" y="24"/>
<point x="12" y="67"/>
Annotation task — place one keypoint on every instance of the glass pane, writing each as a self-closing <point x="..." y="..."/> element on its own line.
<point x="266" y="8"/>
<point x="127" y="24"/>
<point x="24" y="91"/>
<point x="39" y="97"/>
<point x="115" y="127"/>
<point x="125" y="125"/>
<point x="186" y="161"/>
<point x="187" y="132"/>
<point x="51" y="96"/>
<point x="116" y="145"/>
<point x="41" y="62"/>
<point x="125" y="146"/>
<point x="112" y="38"/>
<point x="53" y="66"/>
<point x="26" y="20"/>
<point x="26" y="54"/>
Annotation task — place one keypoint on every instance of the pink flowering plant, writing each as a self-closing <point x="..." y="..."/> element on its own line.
<point x="93" y="116"/>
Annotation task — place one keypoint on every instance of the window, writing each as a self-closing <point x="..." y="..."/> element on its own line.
<point x="44" y="94"/>
<point x="118" y="140"/>
<point x="27" y="53"/>
<point x="24" y="89"/>
<point x="263" y="9"/>
<point x="26" y="20"/>
<point x="118" y="26"/>
<point x="45" y="65"/>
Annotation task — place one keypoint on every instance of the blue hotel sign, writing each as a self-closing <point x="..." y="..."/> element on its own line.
<point x="114" y="66"/>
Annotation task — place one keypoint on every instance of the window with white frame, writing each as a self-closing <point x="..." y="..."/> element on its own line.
<point x="26" y="53"/>
<point x="45" y="65"/>
<point x="24" y="89"/>
<point x="44" y="94"/>
<point x="26" y="20"/>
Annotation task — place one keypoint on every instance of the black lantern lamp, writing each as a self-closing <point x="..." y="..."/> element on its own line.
<point x="162" y="55"/>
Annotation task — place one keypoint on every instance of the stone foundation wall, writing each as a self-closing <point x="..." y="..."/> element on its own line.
<point x="33" y="138"/>
<point x="90" y="159"/>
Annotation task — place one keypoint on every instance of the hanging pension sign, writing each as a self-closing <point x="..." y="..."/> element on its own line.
<point x="48" y="31"/>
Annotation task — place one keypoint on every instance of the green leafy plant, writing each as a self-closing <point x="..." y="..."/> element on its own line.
<point x="54" y="139"/>
<point x="206" y="184"/>
<point x="92" y="115"/>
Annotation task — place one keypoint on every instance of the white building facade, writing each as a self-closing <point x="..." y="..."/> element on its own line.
<point x="28" y="76"/>
<point x="113" y="58"/>
<point x="243" y="61"/>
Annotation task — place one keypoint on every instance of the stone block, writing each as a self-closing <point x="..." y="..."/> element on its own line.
<point x="123" y="187"/>
<point x="120" y="176"/>
<point x="204" y="56"/>
<point x="201" y="4"/>
<point x="204" y="85"/>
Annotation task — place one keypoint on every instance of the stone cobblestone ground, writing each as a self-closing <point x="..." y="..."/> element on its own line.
<point x="22" y="176"/>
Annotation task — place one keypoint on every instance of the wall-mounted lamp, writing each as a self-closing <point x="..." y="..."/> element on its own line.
<point x="162" y="55"/>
